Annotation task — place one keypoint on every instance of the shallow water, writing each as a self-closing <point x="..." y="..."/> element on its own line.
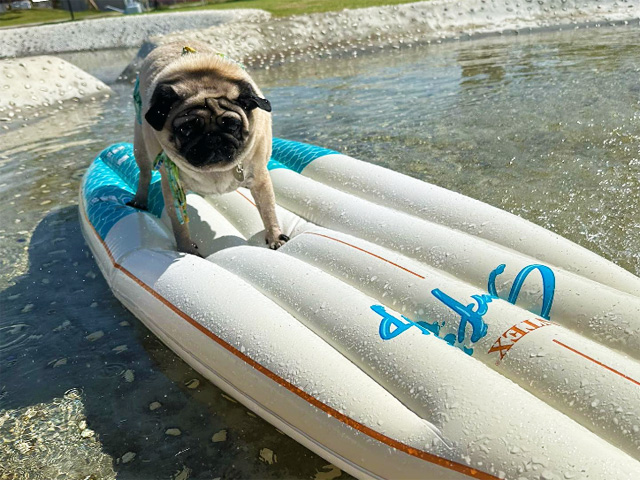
<point x="545" y="126"/>
<point x="105" y="65"/>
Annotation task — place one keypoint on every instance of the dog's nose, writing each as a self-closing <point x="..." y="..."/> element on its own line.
<point x="212" y="140"/>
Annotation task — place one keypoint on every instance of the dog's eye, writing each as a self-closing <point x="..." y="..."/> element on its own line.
<point x="189" y="127"/>
<point x="229" y="123"/>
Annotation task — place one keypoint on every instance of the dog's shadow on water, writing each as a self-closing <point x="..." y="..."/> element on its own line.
<point x="62" y="330"/>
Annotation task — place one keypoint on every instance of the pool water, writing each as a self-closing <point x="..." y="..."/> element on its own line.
<point x="546" y="126"/>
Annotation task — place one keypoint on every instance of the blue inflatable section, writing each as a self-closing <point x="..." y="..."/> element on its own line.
<point x="110" y="182"/>
<point x="112" y="179"/>
<point x="295" y="155"/>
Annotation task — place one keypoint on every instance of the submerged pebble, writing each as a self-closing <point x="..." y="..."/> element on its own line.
<point x="331" y="473"/>
<point x="27" y="308"/>
<point x="193" y="384"/>
<point x="92" y="337"/>
<point x="59" y="363"/>
<point x="227" y="397"/>
<point x="183" y="474"/>
<point x="267" y="456"/>
<point x="128" y="457"/>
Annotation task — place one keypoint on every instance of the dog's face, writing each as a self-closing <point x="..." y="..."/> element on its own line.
<point x="206" y="125"/>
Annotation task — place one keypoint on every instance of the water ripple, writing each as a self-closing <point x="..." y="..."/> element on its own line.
<point x="13" y="336"/>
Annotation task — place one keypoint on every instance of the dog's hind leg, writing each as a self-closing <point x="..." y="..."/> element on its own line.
<point x="141" y="198"/>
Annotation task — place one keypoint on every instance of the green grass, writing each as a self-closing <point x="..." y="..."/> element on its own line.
<point x="16" y="18"/>
<point x="278" y="8"/>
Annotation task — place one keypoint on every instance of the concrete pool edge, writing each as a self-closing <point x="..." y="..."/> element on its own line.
<point x="112" y="32"/>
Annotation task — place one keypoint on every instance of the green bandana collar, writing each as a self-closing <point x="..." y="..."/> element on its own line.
<point x="177" y="190"/>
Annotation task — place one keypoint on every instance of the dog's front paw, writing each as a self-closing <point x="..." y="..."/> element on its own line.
<point x="190" y="248"/>
<point x="276" y="242"/>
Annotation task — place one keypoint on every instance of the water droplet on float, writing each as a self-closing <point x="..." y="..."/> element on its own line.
<point x="547" y="475"/>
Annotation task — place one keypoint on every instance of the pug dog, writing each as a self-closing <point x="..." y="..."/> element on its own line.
<point x="213" y="122"/>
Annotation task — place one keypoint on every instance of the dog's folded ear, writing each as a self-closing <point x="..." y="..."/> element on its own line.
<point x="249" y="99"/>
<point x="163" y="98"/>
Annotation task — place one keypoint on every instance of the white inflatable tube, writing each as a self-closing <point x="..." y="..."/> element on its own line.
<point x="381" y="340"/>
<point x="588" y="395"/>
<point x="605" y="314"/>
<point x="548" y="361"/>
<point x="444" y="207"/>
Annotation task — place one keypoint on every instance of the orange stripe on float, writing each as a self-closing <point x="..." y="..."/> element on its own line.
<point x="429" y="457"/>
<point x="346" y="243"/>
<point x="365" y="251"/>
<point x="246" y="198"/>
<point x="597" y="362"/>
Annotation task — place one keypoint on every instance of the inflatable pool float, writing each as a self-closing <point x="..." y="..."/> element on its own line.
<point x="405" y="331"/>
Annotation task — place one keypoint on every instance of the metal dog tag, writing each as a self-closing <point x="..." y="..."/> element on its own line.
<point x="238" y="173"/>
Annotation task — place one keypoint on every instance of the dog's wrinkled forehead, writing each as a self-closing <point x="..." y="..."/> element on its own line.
<point x="217" y="86"/>
<point x="207" y="104"/>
